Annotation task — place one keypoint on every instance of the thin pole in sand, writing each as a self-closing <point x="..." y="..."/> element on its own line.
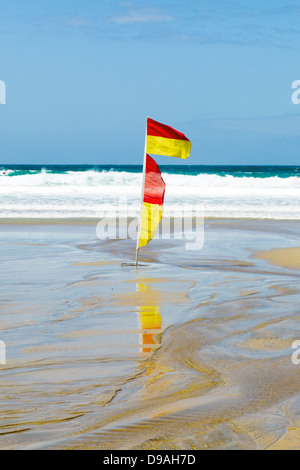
<point x="142" y="198"/>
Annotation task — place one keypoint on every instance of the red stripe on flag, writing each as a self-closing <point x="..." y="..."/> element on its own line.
<point x="154" y="190"/>
<point x="161" y="130"/>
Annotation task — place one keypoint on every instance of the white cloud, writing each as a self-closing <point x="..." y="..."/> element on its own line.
<point x="141" y="17"/>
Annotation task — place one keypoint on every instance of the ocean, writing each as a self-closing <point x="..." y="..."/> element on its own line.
<point x="91" y="191"/>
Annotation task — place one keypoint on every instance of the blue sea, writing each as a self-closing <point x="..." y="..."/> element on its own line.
<point x="89" y="191"/>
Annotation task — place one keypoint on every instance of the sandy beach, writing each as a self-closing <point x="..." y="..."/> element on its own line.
<point x="191" y="351"/>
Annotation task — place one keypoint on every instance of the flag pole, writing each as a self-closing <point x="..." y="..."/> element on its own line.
<point x="142" y="198"/>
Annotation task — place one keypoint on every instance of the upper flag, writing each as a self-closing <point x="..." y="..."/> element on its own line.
<point x="164" y="140"/>
<point x="152" y="206"/>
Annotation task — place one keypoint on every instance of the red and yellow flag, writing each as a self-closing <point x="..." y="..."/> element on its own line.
<point x="152" y="206"/>
<point x="160" y="140"/>
<point x="164" y="140"/>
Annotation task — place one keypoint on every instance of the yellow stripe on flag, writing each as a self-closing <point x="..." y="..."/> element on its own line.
<point x="151" y="216"/>
<point x="170" y="147"/>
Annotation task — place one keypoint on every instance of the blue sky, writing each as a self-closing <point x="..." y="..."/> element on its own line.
<point x="82" y="76"/>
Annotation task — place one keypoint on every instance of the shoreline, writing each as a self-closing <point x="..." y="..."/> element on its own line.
<point x="278" y="255"/>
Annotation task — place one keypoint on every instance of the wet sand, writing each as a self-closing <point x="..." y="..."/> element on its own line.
<point x="285" y="257"/>
<point x="191" y="351"/>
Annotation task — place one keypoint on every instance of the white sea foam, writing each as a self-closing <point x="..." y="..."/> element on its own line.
<point x="43" y="194"/>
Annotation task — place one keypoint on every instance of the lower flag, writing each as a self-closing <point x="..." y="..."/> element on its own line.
<point x="152" y="204"/>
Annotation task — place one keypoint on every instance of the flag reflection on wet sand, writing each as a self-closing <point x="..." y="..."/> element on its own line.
<point x="150" y="322"/>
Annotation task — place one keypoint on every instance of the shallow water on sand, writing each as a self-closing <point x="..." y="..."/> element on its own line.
<point x="192" y="351"/>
